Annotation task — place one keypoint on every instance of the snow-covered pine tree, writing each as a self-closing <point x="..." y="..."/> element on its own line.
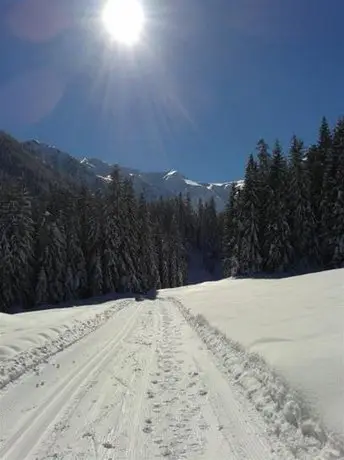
<point x="52" y="259"/>
<point x="90" y="217"/>
<point x="16" y="246"/>
<point x="231" y="235"/>
<point x="301" y="219"/>
<point x="278" y="232"/>
<point x="263" y="197"/>
<point x="190" y="222"/>
<point x="337" y="230"/>
<point x="76" y="276"/>
<point x="147" y="257"/>
<point x="250" y="256"/>
<point x="129" y="244"/>
<point x="317" y="157"/>
<point x="210" y="235"/>
<point x="111" y="235"/>
<point x="163" y="261"/>
<point x="200" y="232"/>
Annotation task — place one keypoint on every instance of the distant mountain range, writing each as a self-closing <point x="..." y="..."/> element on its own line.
<point x="166" y="184"/>
<point x="95" y="173"/>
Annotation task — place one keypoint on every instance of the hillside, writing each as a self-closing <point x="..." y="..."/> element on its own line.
<point x="17" y="162"/>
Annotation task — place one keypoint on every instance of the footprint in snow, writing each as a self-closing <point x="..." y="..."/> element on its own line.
<point x="147" y="429"/>
<point x="108" y="445"/>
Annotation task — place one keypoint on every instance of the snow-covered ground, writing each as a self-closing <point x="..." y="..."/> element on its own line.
<point x="28" y="339"/>
<point x="156" y="379"/>
<point x="296" y="324"/>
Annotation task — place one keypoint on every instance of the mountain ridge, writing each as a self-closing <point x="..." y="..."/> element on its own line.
<point x="95" y="174"/>
<point x="167" y="183"/>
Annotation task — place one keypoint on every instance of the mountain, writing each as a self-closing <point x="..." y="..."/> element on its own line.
<point x="68" y="167"/>
<point x="18" y="162"/>
<point x="52" y="164"/>
<point x="166" y="184"/>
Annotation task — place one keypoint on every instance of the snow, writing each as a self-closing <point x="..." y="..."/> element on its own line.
<point x="156" y="379"/>
<point x="27" y="339"/>
<point x="296" y="324"/>
<point x="193" y="183"/>
<point x="240" y="183"/>
<point x="221" y="184"/>
<point x="105" y="178"/>
<point x="170" y="173"/>
<point x="141" y="386"/>
<point x="85" y="161"/>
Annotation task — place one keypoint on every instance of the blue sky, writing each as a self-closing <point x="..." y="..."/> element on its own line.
<point x="208" y="80"/>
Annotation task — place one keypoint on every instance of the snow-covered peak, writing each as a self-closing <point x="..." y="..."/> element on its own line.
<point x="171" y="174"/>
<point x="86" y="162"/>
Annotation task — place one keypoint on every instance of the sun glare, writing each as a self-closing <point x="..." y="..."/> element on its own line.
<point x="124" y="20"/>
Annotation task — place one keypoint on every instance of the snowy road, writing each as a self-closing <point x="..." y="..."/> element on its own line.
<point x="142" y="386"/>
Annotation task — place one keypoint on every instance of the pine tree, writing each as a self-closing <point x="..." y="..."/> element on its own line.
<point x="16" y="246"/>
<point x="147" y="257"/>
<point x="128" y="233"/>
<point x="210" y="236"/>
<point x="230" y="254"/>
<point x="111" y="235"/>
<point x="76" y="276"/>
<point x="52" y="259"/>
<point x="250" y="257"/>
<point x="317" y="159"/>
<point x="301" y="219"/>
<point x="278" y="233"/>
<point x="263" y="197"/>
<point x="336" y="226"/>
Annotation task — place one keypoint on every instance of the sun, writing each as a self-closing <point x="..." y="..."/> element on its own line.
<point x="124" y="20"/>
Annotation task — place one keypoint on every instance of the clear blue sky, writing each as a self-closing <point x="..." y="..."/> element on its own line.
<point x="210" y="78"/>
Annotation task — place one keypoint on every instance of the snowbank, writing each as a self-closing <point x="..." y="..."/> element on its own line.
<point x="28" y="339"/>
<point x="285" y="413"/>
<point x="296" y="324"/>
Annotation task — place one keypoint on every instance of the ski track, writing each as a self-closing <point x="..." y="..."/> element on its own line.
<point x="142" y="386"/>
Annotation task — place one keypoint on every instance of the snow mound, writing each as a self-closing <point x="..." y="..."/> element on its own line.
<point x="28" y="339"/>
<point x="285" y="413"/>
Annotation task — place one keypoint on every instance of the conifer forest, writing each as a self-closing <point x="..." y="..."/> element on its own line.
<point x="61" y="243"/>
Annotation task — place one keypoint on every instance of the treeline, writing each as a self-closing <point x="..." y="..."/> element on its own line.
<point x="63" y="244"/>
<point x="289" y="216"/>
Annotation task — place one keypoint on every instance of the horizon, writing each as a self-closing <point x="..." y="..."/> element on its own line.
<point x="206" y="83"/>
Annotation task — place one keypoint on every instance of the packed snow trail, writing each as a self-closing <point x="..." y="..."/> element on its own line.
<point x="142" y="386"/>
